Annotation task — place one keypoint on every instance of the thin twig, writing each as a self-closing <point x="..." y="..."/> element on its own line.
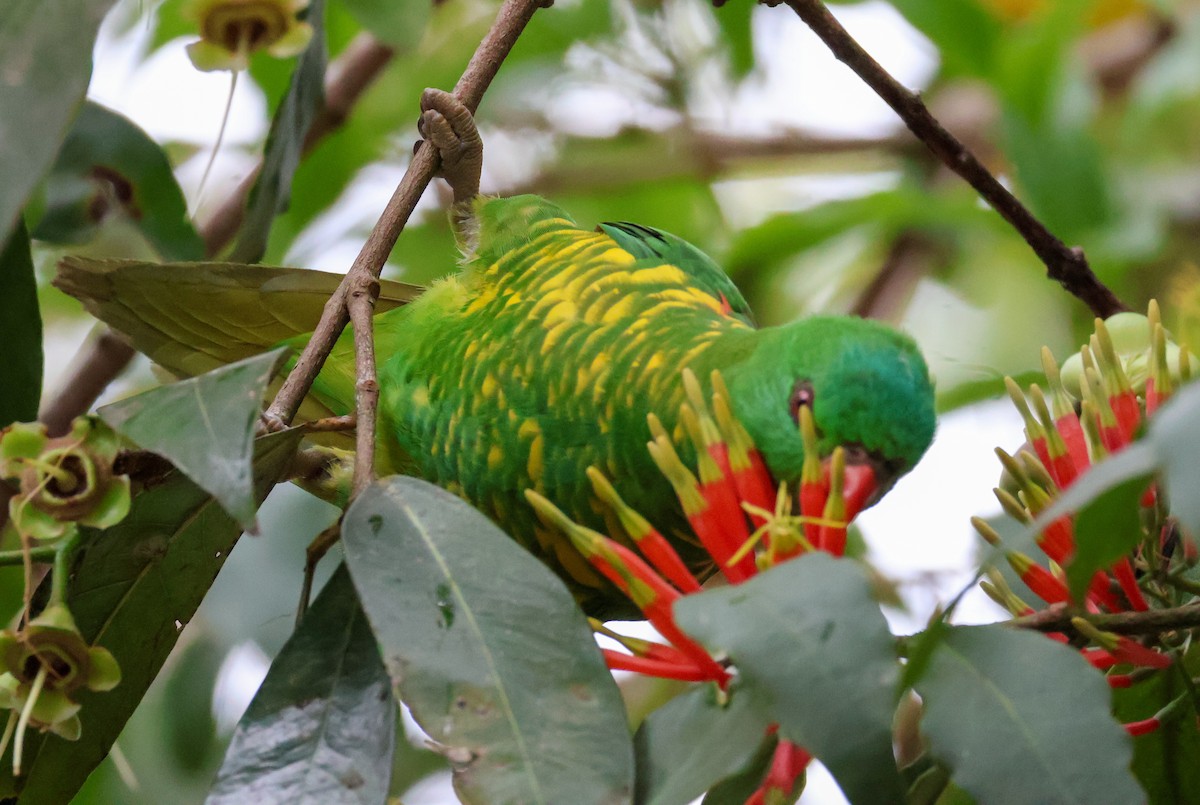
<point x="1066" y="265"/>
<point x="106" y="355"/>
<point x="331" y="424"/>
<point x="514" y="15"/>
<point x="1154" y="621"/>
<point x="366" y="385"/>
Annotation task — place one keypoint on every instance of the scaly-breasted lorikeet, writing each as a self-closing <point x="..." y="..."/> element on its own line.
<point x="543" y="356"/>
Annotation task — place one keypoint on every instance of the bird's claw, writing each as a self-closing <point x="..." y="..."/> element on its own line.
<point x="450" y="127"/>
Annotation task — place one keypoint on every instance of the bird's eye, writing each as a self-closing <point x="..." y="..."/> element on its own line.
<point x="802" y="397"/>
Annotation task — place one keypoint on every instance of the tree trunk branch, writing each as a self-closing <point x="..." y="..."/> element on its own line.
<point x="1066" y="265"/>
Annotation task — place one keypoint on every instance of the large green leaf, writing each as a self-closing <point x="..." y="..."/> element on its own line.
<point x="134" y="589"/>
<point x="205" y="426"/>
<point x="20" y="332"/>
<point x="1105" y="530"/>
<point x="692" y="742"/>
<point x="45" y="66"/>
<point x="1021" y="718"/>
<point x="107" y="162"/>
<point x="285" y="143"/>
<point x="488" y="649"/>
<point x="322" y="727"/>
<point x="808" y="637"/>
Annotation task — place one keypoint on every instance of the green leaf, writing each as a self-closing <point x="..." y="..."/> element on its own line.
<point x="1163" y="760"/>
<point x="739" y="787"/>
<point x="488" y="649"/>
<point x="20" y="332"/>
<point x="108" y="164"/>
<point x="1021" y="718"/>
<point x="399" y="23"/>
<point x="734" y="19"/>
<point x="285" y="143"/>
<point x="1176" y="439"/>
<point x="692" y="742"/>
<point x="135" y="588"/>
<point x="1105" y="530"/>
<point x="965" y="34"/>
<point x="322" y="727"/>
<point x="205" y="427"/>
<point x="46" y="63"/>
<point x="808" y="637"/>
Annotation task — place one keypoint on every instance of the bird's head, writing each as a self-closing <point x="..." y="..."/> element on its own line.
<point x="868" y="390"/>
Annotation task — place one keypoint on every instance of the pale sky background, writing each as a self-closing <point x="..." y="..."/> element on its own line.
<point x="920" y="534"/>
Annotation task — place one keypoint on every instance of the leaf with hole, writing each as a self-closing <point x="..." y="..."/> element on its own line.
<point x="488" y="649"/>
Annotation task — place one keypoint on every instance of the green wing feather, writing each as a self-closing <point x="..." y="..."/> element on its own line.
<point x="653" y="246"/>
<point x="191" y="318"/>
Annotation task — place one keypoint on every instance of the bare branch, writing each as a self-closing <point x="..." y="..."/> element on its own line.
<point x="514" y="15"/>
<point x="366" y="387"/>
<point x="1066" y="265"/>
<point x="1153" y="621"/>
<point x="105" y="356"/>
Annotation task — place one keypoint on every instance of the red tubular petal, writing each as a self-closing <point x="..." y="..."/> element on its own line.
<point x="1119" y="680"/>
<point x="1099" y="658"/>
<point x="729" y="524"/>
<point x="755" y="485"/>
<point x="812" y="504"/>
<point x="1071" y="430"/>
<point x="1044" y="585"/>
<point x="1152" y="398"/>
<point x="859" y="485"/>
<point x="667" y="562"/>
<point x="619" y="661"/>
<point x="787" y="764"/>
<point x="1144" y="727"/>
<point x="1100" y="591"/>
<point x="1135" y="653"/>
<point x="1150" y="497"/>
<point x="1125" y="408"/>
<point x="1123" y="571"/>
<point x="1058" y="540"/>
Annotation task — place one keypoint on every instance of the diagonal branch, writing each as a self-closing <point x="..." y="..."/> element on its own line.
<point x="360" y="287"/>
<point x="104" y="355"/>
<point x="1066" y="265"/>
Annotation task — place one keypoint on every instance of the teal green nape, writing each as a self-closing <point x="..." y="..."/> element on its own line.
<point x="544" y="354"/>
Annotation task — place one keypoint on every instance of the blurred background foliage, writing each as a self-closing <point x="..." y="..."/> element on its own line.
<point x="731" y="127"/>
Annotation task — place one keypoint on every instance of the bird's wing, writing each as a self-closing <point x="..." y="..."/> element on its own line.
<point x="649" y="244"/>
<point x="191" y="318"/>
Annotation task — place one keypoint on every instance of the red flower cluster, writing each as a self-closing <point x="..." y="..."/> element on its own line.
<point x="1117" y="389"/>
<point x="744" y="522"/>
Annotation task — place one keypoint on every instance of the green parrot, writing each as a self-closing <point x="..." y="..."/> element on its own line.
<point x="542" y="357"/>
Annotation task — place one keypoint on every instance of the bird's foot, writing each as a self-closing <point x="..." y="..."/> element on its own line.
<point x="449" y="125"/>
